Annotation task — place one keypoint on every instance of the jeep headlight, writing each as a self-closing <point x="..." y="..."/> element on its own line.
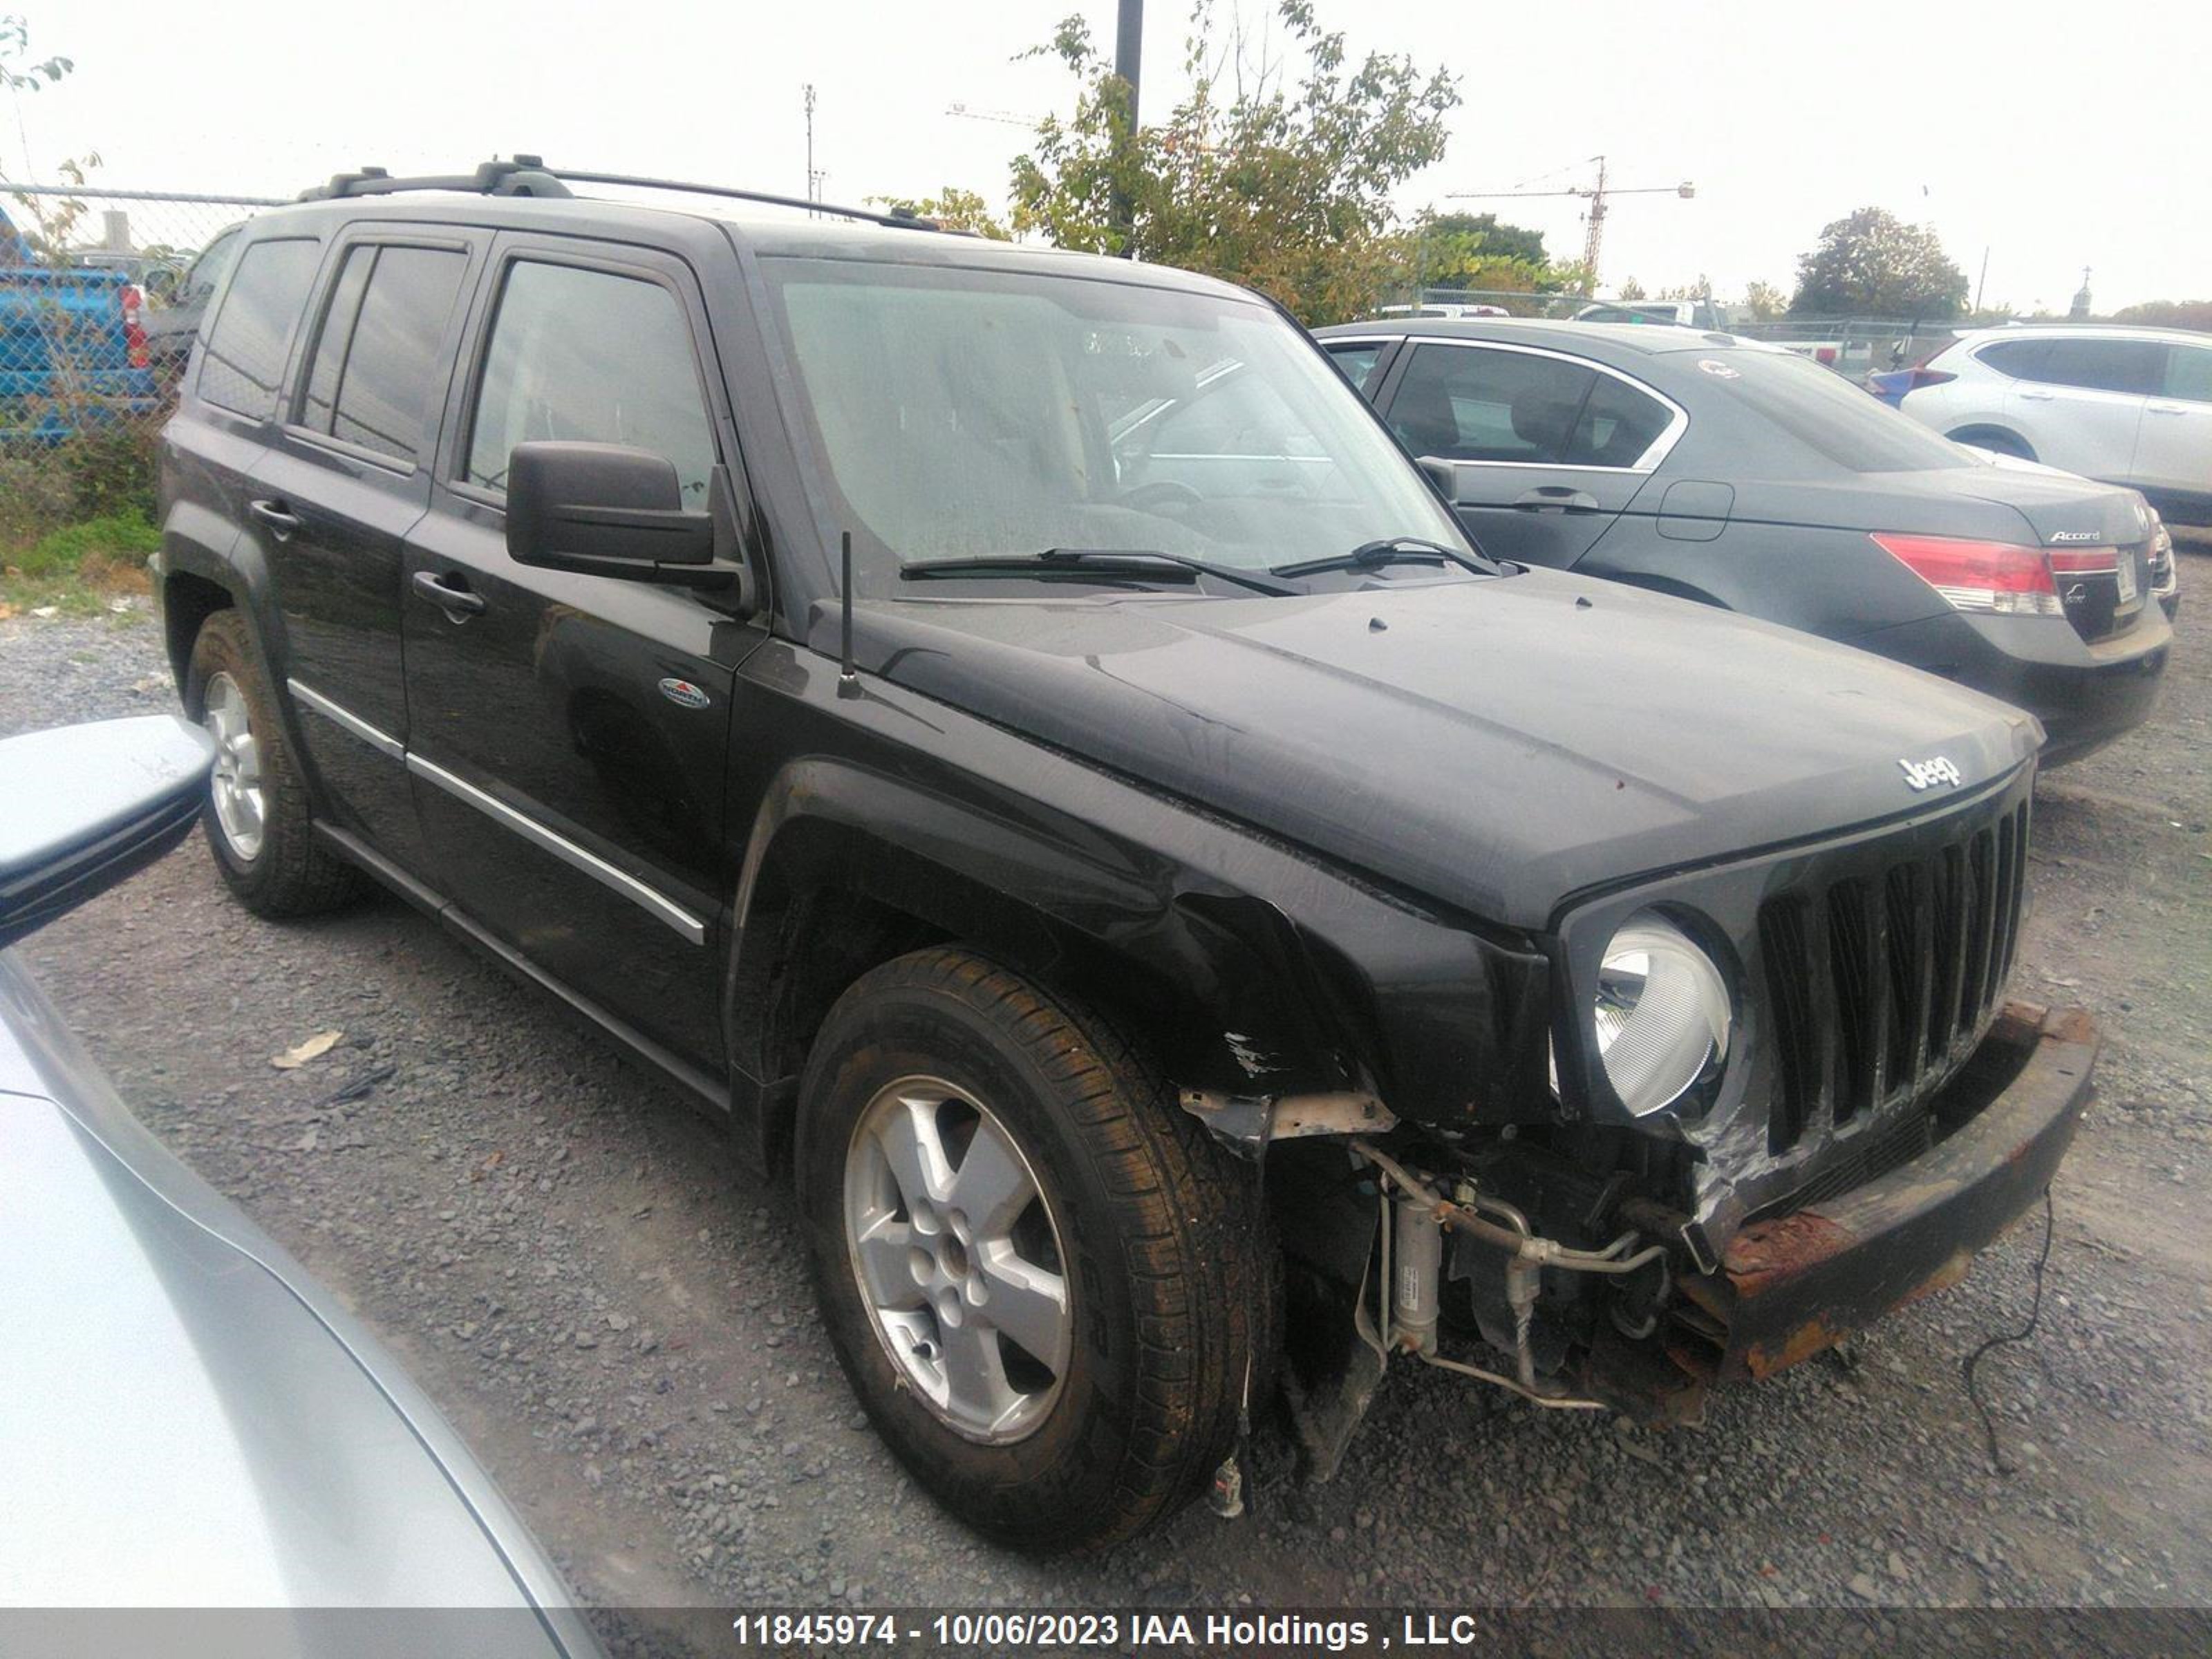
<point x="1663" y="1013"/>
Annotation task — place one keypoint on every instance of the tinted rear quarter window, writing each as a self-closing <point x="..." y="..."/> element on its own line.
<point x="1619" y="424"/>
<point x="244" y="356"/>
<point x="2189" y="373"/>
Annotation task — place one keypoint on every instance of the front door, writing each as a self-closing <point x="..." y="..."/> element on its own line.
<point x="1548" y="449"/>
<point x="348" y="476"/>
<point x="568" y="733"/>
<point x="2173" y="446"/>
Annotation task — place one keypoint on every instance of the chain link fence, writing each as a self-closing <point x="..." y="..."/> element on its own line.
<point x="101" y="292"/>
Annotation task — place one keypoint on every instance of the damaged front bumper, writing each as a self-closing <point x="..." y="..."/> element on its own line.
<point x="1789" y="1287"/>
<point x="1674" y="1316"/>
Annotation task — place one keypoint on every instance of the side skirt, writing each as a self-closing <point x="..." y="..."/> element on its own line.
<point x="708" y="1091"/>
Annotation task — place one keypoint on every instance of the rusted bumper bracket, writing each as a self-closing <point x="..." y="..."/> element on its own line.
<point x="1790" y="1286"/>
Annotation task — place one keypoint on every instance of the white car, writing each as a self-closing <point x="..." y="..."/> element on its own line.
<point x="2126" y="405"/>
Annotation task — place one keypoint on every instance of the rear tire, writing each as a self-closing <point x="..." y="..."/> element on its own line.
<point x="1116" y="1273"/>
<point x="258" y="820"/>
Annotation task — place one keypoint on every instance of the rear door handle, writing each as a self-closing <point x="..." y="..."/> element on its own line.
<point x="2037" y="394"/>
<point x="281" y="520"/>
<point x="1556" y="498"/>
<point x="2168" y="409"/>
<point x="456" y="602"/>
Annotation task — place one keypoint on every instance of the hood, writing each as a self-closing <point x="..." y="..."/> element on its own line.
<point x="1495" y="745"/>
<point x="182" y="1424"/>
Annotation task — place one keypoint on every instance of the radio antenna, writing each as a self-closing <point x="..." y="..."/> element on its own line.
<point x="849" y="678"/>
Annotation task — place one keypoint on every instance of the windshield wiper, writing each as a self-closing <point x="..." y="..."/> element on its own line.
<point x="1391" y="550"/>
<point x="1125" y="563"/>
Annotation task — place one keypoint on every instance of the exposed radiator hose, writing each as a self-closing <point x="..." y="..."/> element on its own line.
<point x="1413" y="1224"/>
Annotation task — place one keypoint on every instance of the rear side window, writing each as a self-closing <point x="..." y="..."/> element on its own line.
<point x="594" y="357"/>
<point x="377" y="362"/>
<point x="2134" y="367"/>
<point x="1617" y="424"/>
<point x="2189" y="373"/>
<point x="1469" y="403"/>
<point x="244" y="357"/>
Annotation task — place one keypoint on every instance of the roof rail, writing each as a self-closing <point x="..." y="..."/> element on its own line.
<point x="528" y="175"/>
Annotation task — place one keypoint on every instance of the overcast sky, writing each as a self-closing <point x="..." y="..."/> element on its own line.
<point x="2055" y="136"/>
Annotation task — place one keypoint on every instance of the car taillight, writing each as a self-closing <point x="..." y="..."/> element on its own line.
<point x="134" y="332"/>
<point x="1825" y="355"/>
<point x="1998" y="577"/>
<point x="1918" y="378"/>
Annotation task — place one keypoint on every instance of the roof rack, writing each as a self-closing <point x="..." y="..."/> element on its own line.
<point x="528" y="175"/>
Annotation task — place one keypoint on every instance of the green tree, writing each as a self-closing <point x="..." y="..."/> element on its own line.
<point x="1496" y="241"/>
<point x="1630" y="290"/>
<point x="1764" y="302"/>
<point x="1872" y="264"/>
<point x="953" y="207"/>
<point x="1473" y="250"/>
<point x="20" y="73"/>
<point x="1276" y="170"/>
<point x="2168" y="313"/>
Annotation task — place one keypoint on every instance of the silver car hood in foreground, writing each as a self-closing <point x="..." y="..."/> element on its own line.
<point x="187" y="1419"/>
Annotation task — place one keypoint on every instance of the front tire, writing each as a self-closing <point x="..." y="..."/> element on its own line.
<point x="257" y="819"/>
<point x="1049" y="1288"/>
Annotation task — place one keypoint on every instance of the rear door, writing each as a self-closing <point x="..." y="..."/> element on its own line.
<point x="345" y="478"/>
<point x="2078" y="400"/>
<point x="2173" y="446"/>
<point x="1548" y="448"/>
<point x="567" y="732"/>
<point x="228" y="416"/>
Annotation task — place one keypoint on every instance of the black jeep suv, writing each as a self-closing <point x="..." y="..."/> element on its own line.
<point x="1188" y="925"/>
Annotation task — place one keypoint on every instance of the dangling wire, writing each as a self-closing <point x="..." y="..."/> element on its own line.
<point x="1997" y="1459"/>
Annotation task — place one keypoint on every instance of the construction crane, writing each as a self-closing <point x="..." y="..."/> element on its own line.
<point x="1598" y="195"/>
<point x="1004" y="117"/>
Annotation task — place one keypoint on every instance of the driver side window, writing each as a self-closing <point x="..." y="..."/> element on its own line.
<point x="589" y="356"/>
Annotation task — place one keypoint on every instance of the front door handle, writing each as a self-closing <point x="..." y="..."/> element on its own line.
<point x="282" y="522"/>
<point x="457" y="602"/>
<point x="1556" y="498"/>
<point x="2037" y="394"/>
<point x="2167" y="408"/>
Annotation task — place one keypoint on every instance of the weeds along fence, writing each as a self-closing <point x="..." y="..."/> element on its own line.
<point x="101" y="291"/>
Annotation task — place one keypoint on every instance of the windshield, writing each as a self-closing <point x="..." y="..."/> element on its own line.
<point x="1834" y="419"/>
<point x="961" y="413"/>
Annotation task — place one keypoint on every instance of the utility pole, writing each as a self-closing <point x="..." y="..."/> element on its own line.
<point x="1982" y="282"/>
<point x="1128" y="64"/>
<point x="1599" y="196"/>
<point x="812" y="178"/>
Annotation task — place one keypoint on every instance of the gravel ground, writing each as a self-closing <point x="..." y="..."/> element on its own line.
<point x="618" y="1319"/>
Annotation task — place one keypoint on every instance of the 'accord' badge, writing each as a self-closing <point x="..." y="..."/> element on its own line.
<point x="684" y="695"/>
<point x="1926" y="774"/>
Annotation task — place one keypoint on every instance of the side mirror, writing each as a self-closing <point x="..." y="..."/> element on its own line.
<point x="90" y="805"/>
<point x="607" y="510"/>
<point x="1443" y="474"/>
